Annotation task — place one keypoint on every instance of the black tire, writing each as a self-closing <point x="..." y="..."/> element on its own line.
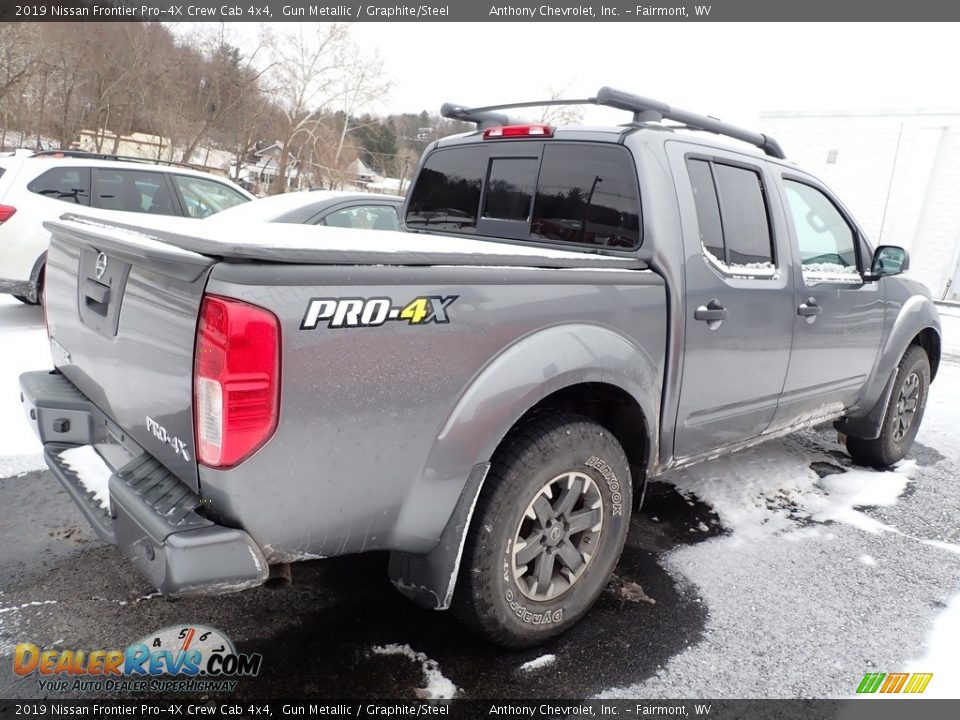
<point x="581" y="462"/>
<point x="40" y="298"/>
<point x="909" y="391"/>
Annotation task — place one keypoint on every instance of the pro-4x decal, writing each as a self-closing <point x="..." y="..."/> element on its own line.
<point x="352" y="312"/>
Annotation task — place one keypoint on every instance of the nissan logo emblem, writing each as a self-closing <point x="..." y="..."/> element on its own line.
<point x="101" y="265"/>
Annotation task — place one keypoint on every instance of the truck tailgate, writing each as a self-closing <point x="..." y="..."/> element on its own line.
<point x="122" y="316"/>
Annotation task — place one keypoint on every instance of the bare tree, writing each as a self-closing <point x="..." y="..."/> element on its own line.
<point x="18" y="59"/>
<point x="561" y="114"/>
<point x="307" y="64"/>
<point x="225" y="82"/>
<point x="319" y="70"/>
<point x="362" y="83"/>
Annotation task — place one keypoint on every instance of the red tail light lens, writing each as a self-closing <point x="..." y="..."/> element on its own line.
<point x="6" y="212"/>
<point x="517" y="131"/>
<point x="236" y="380"/>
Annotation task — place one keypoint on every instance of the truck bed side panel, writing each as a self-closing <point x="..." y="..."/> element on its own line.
<point x="362" y="407"/>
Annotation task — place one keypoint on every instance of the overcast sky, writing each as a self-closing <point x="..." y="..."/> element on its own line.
<point x="732" y="71"/>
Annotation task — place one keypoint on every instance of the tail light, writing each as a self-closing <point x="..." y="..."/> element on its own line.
<point x="236" y="380"/>
<point x="6" y="212"/>
<point x="517" y="131"/>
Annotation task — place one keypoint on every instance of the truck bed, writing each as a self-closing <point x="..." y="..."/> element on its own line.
<point x="316" y="245"/>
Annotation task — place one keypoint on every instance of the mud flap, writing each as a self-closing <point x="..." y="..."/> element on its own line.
<point x="429" y="580"/>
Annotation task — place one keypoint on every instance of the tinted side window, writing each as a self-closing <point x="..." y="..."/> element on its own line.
<point x="2" y="171"/>
<point x="202" y="198"/>
<point x="131" y="191"/>
<point x="708" y="209"/>
<point x="587" y="194"/>
<point x="70" y="184"/>
<point x="746" y="227"/>
<point x="732" y="217"/>
<point x="510" y="187"/>
<point x="365" y="217"/>
<point x="447" y="191"/>
<point x="827" y="243"/>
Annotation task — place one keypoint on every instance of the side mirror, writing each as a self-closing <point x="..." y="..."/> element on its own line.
<point x="889" y="260"/>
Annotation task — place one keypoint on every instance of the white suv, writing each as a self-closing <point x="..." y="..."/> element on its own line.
<point x="45" y="185"/>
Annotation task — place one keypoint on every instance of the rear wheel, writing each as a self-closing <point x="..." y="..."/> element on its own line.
<point x="547" y="531"/>
<point x="39" y="301"/>
<point x="904" y="413"/>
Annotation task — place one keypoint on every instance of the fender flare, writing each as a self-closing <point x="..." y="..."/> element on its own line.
<point x="865" y="417"/>
<point x="440" y="505"/>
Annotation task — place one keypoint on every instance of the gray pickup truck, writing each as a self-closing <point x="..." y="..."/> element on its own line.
<point x="571" y="312"/>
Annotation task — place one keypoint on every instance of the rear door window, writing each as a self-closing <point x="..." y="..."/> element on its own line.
<point x="135" y="191"/>
<point x="70" y="184"/>
<point x="732" y="217"/>
<point x="746" y="227"/>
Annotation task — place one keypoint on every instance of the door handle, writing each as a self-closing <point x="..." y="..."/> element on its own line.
<point x="809" y="309"/>
<point x="713" y="313"/>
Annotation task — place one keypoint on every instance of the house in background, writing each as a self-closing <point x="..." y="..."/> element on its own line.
<point x="898" y="172"/>
<point x="140" y="145"/>
<point x="260" y="170"/>
<point x="361" y="178"/>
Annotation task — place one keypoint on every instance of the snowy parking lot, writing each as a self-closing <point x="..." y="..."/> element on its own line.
<point x="781" y="571"/>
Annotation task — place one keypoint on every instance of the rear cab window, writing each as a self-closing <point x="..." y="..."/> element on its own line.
<point x="553" y="192"/>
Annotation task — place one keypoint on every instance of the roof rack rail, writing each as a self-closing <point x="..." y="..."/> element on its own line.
<point x="644" y="110"/>
<point x="84" y="154"/>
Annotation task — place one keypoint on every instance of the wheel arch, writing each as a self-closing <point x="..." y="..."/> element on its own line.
<point x="585" y="369"/>
<point x="917" y="323"/>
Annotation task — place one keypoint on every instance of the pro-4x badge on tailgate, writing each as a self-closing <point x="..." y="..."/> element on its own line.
<point x="375" y="311"/>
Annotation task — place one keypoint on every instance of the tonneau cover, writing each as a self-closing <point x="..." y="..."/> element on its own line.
<point x="193" y="241"/>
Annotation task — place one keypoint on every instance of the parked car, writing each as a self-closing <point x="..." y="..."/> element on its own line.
<point x="575" y="311"/>
<point x="320" y="207"/>
<point x="45" y="185"/>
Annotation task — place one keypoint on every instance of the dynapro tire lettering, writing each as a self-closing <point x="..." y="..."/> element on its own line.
<point x="376" y="311"/>
<point x="532" y="617"/>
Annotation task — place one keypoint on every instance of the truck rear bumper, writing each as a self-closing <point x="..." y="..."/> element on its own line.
<point x="152" y="516"/>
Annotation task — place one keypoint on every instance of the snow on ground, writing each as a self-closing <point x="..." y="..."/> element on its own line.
<point x="538" y="663"/>
<point x="769" y="489"/>
<point x="23" y="347"/>
<point x="799" y="579"/>
<point x="91" y="470"/>
<point x="11" y="621"/>
<point x="943" y="653"/>
<point x="438" y="687"/>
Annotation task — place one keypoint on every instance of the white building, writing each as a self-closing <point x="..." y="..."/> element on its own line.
<point x="897" y="171"/>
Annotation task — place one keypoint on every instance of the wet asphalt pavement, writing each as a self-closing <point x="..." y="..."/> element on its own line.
<point x="316" y="636"/>
<point x="695" y="609"/>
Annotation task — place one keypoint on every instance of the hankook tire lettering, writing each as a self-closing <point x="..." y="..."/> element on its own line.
<point x="612" y="482"/>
